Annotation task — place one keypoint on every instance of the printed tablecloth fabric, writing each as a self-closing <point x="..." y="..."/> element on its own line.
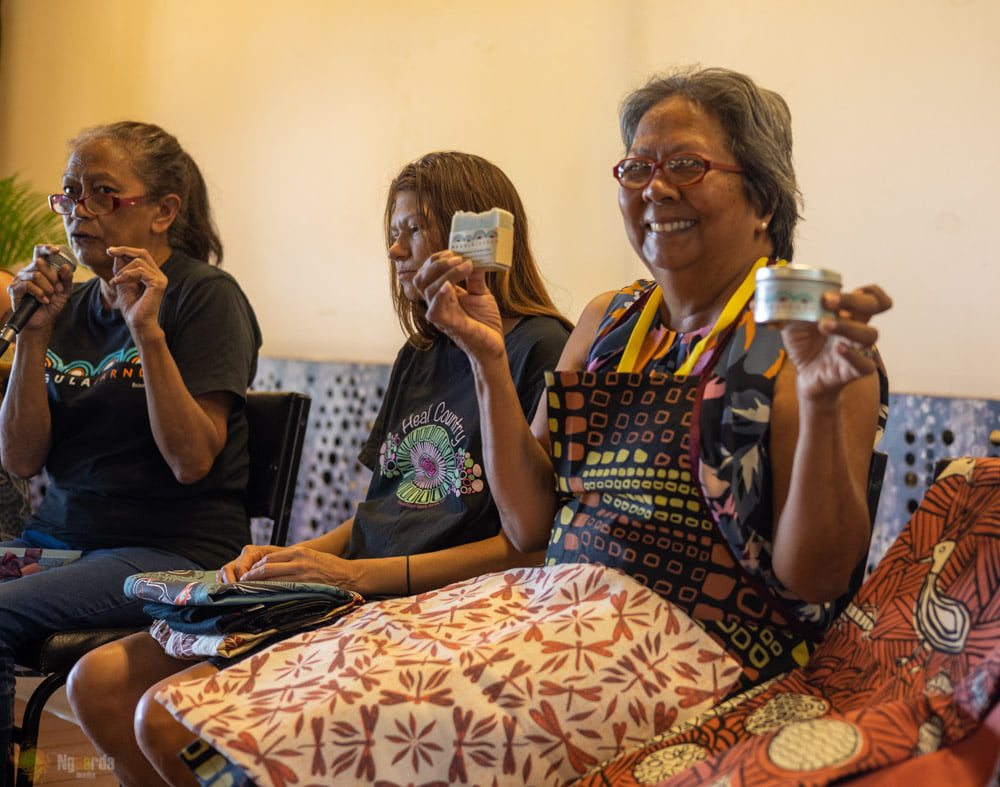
<point x="529" y="676"/>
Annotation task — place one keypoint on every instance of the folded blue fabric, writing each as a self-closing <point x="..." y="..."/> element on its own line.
<point x="281" y="617"/>
<point x="195" y="616"/>
<point x="200" y="589"/>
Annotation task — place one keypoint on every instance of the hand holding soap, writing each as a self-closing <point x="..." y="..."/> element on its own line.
<point x="485" y="238"/>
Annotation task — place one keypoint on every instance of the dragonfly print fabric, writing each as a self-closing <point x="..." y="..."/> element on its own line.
<point x="529" y="676"/>
<point x="910" y="668"/>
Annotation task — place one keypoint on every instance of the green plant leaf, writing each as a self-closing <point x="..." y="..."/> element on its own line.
<point x="25" y="219"/>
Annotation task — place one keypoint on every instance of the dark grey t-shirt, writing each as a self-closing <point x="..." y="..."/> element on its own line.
<point x="428" y="489"/>
<point x="109" y="485"/>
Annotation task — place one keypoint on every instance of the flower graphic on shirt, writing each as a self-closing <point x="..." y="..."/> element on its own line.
<point x="428" y="464"/>
<point x="430" y="468"/>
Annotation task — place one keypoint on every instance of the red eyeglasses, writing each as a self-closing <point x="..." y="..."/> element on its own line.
<point x="96" y="204"/>
<point x="681" y="169"/>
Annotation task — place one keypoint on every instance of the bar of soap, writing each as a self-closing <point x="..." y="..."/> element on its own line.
<point x="486" y="238"/>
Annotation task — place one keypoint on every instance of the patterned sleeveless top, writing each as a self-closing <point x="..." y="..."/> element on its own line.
<point x="669" y="478"/>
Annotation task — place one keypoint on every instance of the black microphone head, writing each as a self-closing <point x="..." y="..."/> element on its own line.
<point x="62" y="256"/>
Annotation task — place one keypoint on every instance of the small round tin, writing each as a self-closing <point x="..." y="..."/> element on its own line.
<point x="792" y="292"/>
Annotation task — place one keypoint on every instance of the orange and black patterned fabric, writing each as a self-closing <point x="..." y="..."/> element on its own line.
<point x="730" y="427"/>
<point x="910" y="668"/>
<point x="621" y="449"/>
<point x="668" y="477"/>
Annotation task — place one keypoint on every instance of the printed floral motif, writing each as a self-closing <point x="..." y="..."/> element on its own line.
<point x="430" y="467"/>
<point x="908" y="669"/>
<point x="531" y="676"/>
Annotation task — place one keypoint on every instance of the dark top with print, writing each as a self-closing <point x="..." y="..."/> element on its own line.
<point x="109" y="485"/>
<point x="428" y="489"/>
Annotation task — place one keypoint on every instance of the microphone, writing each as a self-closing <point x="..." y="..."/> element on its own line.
<point x="29" y="304"/>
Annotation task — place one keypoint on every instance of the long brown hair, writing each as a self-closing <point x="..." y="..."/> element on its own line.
<point x="448" y="181"/>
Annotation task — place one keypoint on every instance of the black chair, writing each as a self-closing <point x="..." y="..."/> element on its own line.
<point x="277" y="426"/>
<point x="278" y="421"/>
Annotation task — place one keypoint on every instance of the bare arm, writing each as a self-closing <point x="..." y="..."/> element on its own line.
<point x="516" y="455"/>
<point x="25" y="421"/>
<point x="388" y="576"/>
<point x="823" y="432"/>
<point x="189" y="431"/>
<point x="524" y="491"/>
<point x="333" y="542"/>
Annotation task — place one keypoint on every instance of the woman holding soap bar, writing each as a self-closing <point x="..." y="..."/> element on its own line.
<point x="428" y="518"/>
<point x="707" y="461"/>
<point x="782" y="422"/>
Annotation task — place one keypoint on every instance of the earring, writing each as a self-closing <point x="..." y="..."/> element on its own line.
<point x="763" y="225"/>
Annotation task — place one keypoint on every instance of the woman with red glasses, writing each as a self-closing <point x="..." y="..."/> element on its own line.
<point x="722" y="463"/>
<point x="762" y="535"/>
<point x="699" y="482"/>
<point x="128" y="390"/>
<point x="427" y="519"/>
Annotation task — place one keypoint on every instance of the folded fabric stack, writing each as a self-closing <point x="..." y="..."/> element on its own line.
<point x="196" y="617"/>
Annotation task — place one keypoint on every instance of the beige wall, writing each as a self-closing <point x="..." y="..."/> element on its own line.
<point x="300" y="111"/>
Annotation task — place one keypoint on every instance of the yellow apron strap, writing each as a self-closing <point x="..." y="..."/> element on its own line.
<point x="730" y="312"/>
<point x="638" y="335"/>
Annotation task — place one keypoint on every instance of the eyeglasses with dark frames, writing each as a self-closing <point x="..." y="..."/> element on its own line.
<point x="681" y="169"/>
<point x="96" y="204"/>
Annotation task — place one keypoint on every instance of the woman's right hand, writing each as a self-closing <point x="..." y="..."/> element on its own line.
<point x="50" y="286"/>
<point x="251" y="553"/>
<point x="467" y="314"/>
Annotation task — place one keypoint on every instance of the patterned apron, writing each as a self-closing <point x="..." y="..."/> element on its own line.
<point x="621" y="446"/>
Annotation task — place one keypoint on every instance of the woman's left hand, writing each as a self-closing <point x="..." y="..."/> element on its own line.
<point x="139" y="284"/>
<point x="837" y="350"/>
<point x="301" y="564"/>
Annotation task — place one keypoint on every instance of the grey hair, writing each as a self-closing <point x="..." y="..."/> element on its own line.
<point x="757" y="125"/>
<point x="166" y="168"/>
